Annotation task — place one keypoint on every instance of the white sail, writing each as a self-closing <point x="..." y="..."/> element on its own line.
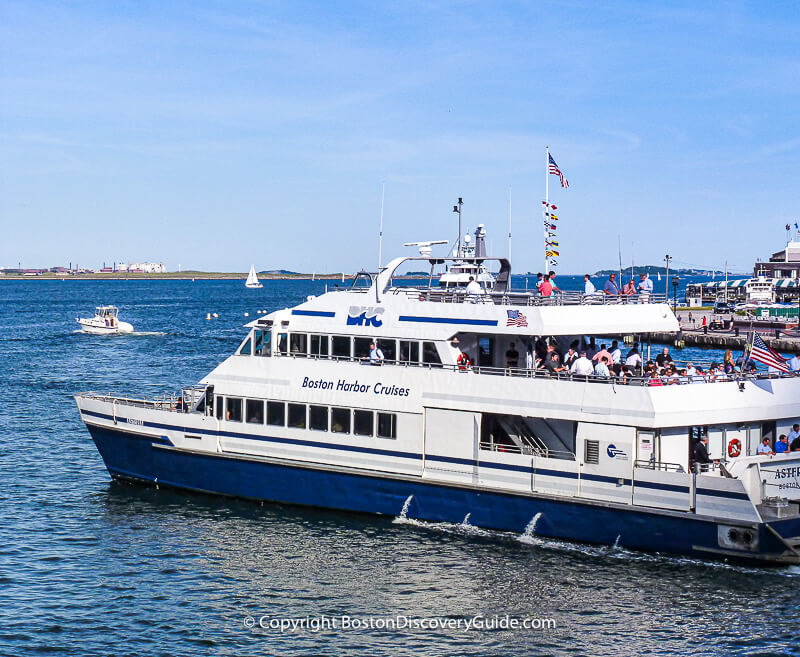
<point x="252" y="279"/>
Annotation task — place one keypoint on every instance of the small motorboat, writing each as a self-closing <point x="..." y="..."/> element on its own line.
<point x="252" y="279"/>
<point x="105" y="321"/>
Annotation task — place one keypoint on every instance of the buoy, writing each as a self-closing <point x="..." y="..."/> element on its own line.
<point x="208" y="316"/>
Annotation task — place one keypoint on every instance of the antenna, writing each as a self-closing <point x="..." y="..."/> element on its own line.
<point x="425" y="247"/>
<point x="457" y="208"/>
<point x="380" y="230"/>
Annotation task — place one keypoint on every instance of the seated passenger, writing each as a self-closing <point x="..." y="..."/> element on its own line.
<point x="552" y="362"/>
<point x="765" y="449"/>
<point x="782" y="445"/>
<point x="582" y="366"/>
<point x="601" y="369"/>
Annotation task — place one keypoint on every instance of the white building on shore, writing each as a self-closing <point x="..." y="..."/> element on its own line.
<point x="143" y="267"/>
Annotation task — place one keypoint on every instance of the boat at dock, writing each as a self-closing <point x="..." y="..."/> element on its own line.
<point x="105" y="322"/>
<point x="307" y="411"/>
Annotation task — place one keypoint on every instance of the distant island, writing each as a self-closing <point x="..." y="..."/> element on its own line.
<point x="654" y="270"/>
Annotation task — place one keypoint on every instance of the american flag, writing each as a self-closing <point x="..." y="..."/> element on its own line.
<point x="516" y="318"/>
<point x="557" y="172"/>
<point x="761" y="353"/>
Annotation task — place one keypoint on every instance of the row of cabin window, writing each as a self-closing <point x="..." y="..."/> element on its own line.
<point x="345" y="346"/>
<point x="301" y="416"/>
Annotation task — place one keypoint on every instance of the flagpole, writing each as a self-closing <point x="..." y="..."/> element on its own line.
<point x="546" y="199"/>
<point x="509" y="224"/>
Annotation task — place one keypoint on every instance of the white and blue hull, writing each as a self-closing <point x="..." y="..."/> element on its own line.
<point x="154" y="460"/>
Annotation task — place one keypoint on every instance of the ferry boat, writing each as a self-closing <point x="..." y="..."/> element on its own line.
<point x="105" y="322"/>
<point x="305" y="413"/>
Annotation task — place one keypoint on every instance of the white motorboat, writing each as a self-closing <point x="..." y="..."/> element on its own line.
<point x="105" y="321"/>
<point x="252" y="280"/>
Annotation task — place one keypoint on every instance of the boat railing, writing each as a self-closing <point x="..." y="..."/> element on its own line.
<point x="174" y="401"/>
<point x="661" y="466"/>
<point x="522" y="372"/>
<point x="542" y="452"/>
<point x="524" y="297"/>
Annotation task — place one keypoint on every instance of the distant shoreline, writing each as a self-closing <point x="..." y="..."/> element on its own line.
<point x="181" y="276"/>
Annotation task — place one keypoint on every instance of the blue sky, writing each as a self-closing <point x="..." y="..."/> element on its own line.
<point x="216" y="134"/>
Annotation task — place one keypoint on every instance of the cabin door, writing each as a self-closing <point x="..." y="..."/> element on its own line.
<point x="451" y="443"/>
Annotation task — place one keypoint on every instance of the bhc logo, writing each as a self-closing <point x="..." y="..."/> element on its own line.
<point x="365" y="316"/>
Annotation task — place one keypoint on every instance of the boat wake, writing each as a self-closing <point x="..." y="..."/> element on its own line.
<point x="615" y="551"/>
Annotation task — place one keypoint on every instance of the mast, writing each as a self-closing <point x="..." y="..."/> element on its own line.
<point x="457" y="208"/>
<point x="546" y="199"/>
<point x="509" y="224"/>
<point x="380" y="229"/>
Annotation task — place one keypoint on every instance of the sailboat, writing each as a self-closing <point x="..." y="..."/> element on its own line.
<point x="659" y="275"/>
<point x="252" y="279"/>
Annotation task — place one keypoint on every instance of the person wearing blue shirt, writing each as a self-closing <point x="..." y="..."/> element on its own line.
<point x="611" y="285"/>
<point x="645" y="288"/>
<point x="782" y="445"/>
<point x="794" y="434"/>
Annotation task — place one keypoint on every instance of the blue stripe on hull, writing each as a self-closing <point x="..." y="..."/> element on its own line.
<point x="128" y="456"/>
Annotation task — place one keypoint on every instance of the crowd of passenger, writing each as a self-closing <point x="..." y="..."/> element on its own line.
<point x="587" y="359"/>
<point x="546" y="286"/>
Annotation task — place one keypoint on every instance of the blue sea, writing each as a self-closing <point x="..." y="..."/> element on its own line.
<point x="93" y="567"/>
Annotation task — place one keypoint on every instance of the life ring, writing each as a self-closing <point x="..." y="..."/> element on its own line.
<point x="734" y="448"/>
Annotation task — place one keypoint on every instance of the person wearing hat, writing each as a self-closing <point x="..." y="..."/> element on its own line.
<point x="765" y="449"/>
<point x="701" y="452"/>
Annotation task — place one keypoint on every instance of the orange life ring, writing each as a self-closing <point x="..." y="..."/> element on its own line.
<point x="734" y="448"/>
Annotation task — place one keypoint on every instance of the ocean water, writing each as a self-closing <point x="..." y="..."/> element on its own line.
<point x="92" y="567"/>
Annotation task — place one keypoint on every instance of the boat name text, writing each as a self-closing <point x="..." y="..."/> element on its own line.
<point x="343" y="385"/>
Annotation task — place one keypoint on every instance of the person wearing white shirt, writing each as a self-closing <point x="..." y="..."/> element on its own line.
<point x="473" y="290"/>
<point x="616" y="353"/>
<point x="645" y="288"/>
<point x="588" y="286"/>
<point x="794" y="363"/>
<point x="375" y="355"/>
<point x="582" y="366"/>
<point x="634" y="360"/>
<point x="601" y="369"/>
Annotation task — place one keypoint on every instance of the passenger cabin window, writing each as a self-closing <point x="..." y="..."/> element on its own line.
<point x="429" y="354"/>
<point x="297" y="344"/>
<point x="409" y="351"/>
<point x="220" y="407"/>
<point x="262" y="344"/>
<point x="319" y="345"/>
<point x="361" y="347"/>
<point x="246" y="348"/>
<point x="340" y="420"/>
<point x="485" y="351"/>
<point x="340" y="346"/>
<point x="276" y="413"/>
<point x="318" y="418"/>
<point x="363" y="422"/>
<point x="297" y="416"/>
<point x="254" y="411"/>
<point x="283" y="343"/>
<point x="387" y="425"/>
<point x="389" y="348"/>
<point x="233" y="409"/>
